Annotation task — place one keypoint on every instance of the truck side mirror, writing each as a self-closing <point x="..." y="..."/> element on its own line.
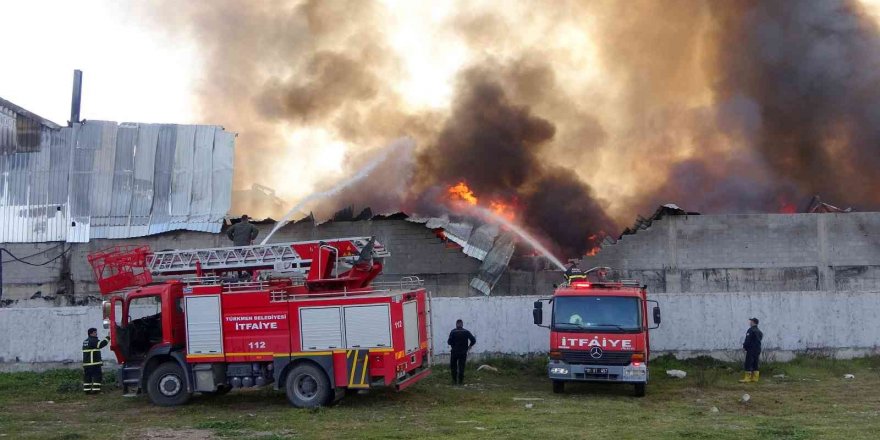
<point x="538" y="313"/>
<point x="657" y="315"/>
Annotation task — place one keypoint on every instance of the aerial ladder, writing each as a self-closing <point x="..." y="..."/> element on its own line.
<point x="129" y="266"/>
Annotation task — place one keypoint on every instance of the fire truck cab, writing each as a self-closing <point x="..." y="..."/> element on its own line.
<point x="598" y="331"/>
<point x="313" y="335"/>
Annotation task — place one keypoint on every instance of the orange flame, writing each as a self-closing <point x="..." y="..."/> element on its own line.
<point x="462" y="192"/>
<point x="503" y="209"/>
<point x="595" y="249"/>
<point x="786" y="207"/>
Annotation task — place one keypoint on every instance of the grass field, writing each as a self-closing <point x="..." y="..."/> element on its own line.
<point x="812" y="401"/>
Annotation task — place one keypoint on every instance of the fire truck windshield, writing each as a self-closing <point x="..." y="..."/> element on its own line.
<point x="596" y="313"/>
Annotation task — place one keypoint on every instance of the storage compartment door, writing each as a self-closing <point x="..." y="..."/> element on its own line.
<point x="204" y="334"/>
<point x="321" y="328"/>
<point x="411" y="325"/>
<point x="368" y="326"/>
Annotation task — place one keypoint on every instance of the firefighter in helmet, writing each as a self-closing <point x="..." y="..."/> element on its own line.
<point x="574" y="273"/>
<point x="91" y="349"/>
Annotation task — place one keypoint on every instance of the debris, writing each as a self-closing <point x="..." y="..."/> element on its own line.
<point x="51" y="401"/>
<point x="745" y="398"/>
<point x="848" y="376"/>
<point x="713" y="410"/>
<point x="529" y="405"/>
<point x="480" y="428"/>
<point x="488" y="368"/>
<point x="779" y="376"/>
<point x="526" y="399"/>
<point x="678" y="374"/>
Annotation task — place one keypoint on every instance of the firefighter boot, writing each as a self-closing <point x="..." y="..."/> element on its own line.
<point x="747" y="377"/>
<point x="755" y="376"/>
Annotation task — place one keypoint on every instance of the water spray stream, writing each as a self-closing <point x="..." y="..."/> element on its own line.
<point x="532" y="241"/>
<point x="400" y="146"/>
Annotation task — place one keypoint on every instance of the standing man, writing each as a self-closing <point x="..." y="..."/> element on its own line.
<point x="573" y="273"/>
<point x="752" y="346"/>
<point x="243" y="233"/>
<point x="92" y="362"/>
<point x="461" y="341"/>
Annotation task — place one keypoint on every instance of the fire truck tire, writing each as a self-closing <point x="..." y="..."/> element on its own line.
<point x="558" y="386"/>
<point x="166" y="385"/>
<point x="308" y="387"/>
<point x="640" y="389"/>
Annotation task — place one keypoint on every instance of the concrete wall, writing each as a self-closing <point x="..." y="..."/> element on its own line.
<point x="752" y="253"/>
<point x="415" y="250"/>
<point x="693" y="324"/>
<point x="687" y="254"/>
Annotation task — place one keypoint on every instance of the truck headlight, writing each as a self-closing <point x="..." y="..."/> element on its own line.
<point x="635" y="371"/>
<point x="557" y="370"/>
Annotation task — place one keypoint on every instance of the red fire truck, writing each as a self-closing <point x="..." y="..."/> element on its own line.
<point x="598" y="330"/>
<point x="304" y="317"/>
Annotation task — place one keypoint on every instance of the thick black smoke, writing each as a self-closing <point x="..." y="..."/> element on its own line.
<point x="718" y="106"/>
<point x="812" y="69"/>
<point x="496" y="147"/>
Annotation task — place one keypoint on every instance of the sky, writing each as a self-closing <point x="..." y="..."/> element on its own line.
<point x="130" y="72"/>
<point x="138" y="70"/>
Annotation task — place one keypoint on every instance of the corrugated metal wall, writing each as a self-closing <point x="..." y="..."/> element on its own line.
<point x="100" y="179"/>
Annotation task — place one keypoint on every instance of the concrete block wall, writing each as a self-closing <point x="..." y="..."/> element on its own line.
<point x="693" y="324"/>
<point x="415" y="250"/>
<point x="751" y="253"/>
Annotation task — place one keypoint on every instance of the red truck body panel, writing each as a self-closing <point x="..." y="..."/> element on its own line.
<point x="227" y="334"/>
<point x="610" y="343"/>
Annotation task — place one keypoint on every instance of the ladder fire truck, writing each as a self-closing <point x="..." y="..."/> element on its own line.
<point x="304" y="317"/>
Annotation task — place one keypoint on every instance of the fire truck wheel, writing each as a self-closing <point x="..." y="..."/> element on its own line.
<point x="166" y="385"/>
<point x="558" y="386"/>
<point x="307" y="387"/>
<point x="640" y="390"/>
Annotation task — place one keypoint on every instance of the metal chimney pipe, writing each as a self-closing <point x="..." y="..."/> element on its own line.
<point x="75" y="98"/>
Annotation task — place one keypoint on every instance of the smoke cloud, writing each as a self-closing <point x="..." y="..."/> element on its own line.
<point x="580" y="114"/>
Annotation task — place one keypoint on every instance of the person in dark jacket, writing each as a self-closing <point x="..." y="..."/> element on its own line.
<point x="574" y="273"/>
<point x="752" y="346"/>
<point x="91" y="349"/>
<point x="460" y="340"/>
<point x="242" y="233"/>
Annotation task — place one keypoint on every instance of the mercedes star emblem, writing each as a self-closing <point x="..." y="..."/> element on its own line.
<point x="595" y="352"/>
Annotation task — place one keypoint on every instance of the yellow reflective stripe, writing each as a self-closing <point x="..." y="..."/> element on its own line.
<point x="354" y="366"/>
<point x="307" y="353"/>
<point x="91" y="349"/>
<point x="92" y="363"/>
<point x="264" y="353"/>
<point x="200" y="355"/>
<point x="364" y="373"/>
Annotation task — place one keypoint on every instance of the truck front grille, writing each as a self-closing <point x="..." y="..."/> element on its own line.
<point x="607" y="358"/>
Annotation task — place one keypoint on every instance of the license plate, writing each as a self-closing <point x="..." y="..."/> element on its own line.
<point x="596" y="370"/>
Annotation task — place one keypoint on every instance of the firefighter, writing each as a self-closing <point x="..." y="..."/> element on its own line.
<point x="460" y="340"/>
<point x="243" y="233"/>
<point x="574" y="273"/>
<point x="752" y="347"/>
<point x="92" y="362"/>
